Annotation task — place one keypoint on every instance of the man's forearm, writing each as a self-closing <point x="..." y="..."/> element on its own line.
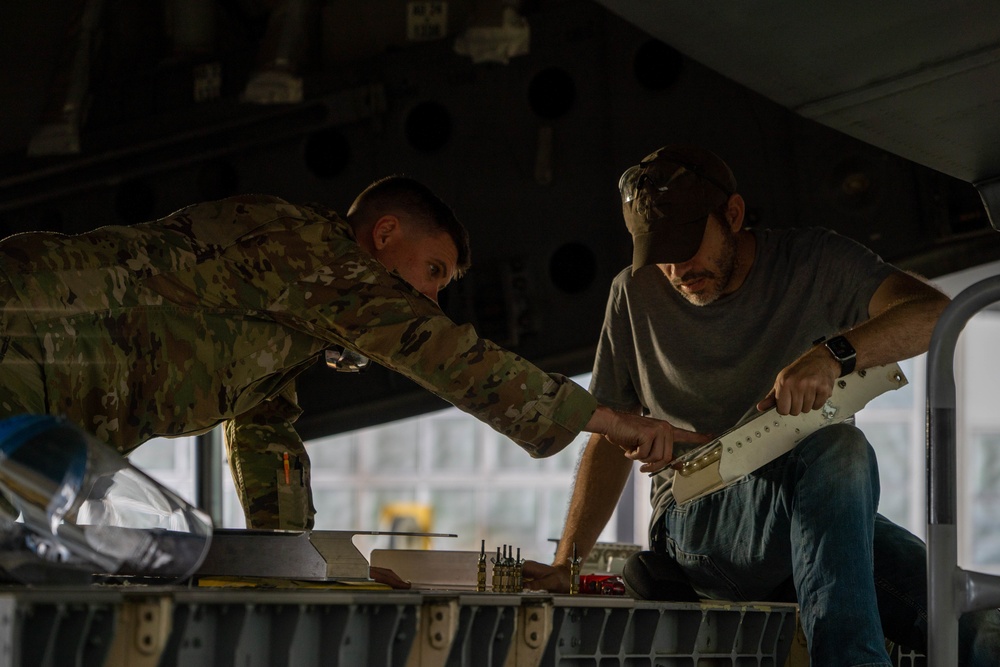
<point x="905" y="312"/>
<point x="901" y="332"/>
<point x="600" y="479"/>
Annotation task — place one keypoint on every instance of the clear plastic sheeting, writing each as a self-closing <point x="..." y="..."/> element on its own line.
<point x="83" y="508"/>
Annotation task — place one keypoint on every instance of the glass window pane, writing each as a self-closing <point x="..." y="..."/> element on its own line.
<point x="985" y="457"/>
<point x="381" y="501"/>
<point x="337" y="454"/>
<point x="511" y="517"/>
<point x="558" y="504"/>
<point x="557" y="501"/>
<point x="986" y="530"/>
<point x="902" y="397"/>
<point x="232" y="511"/>
<point x="510" y="457"/>
<point x="454" y="446"/>
<point x="566" y="460"/>
<point x="392" y="448"/>
<point x="335" y="509"/>
<point x="891" y="441"/>
<point x="157" y="454"/>
<point x="455" y="512"/>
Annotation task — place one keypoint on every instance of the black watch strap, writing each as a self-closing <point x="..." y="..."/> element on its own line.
<point x="844" y="352"/>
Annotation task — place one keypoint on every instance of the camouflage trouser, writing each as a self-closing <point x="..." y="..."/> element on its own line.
<point x="271" y="472"/>
<point x="270" y="498"/>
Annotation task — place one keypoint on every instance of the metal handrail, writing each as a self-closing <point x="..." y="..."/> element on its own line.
<point x="951" y="591"/>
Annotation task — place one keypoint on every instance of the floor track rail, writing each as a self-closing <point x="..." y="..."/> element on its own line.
<point x="254" y="627"/>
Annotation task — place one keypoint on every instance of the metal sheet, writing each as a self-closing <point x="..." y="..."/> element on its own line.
<point x="320" y="555"/>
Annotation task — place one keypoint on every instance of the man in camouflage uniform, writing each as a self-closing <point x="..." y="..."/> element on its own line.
<point x="169" y="328"/>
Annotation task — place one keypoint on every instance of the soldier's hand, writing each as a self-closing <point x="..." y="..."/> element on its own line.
<point x="541" y="577"/>
<point x="648" y="440"/>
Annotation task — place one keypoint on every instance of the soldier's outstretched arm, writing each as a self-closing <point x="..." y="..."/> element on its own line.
<point x="644" y="439"/>
<point x="353" y="300"/>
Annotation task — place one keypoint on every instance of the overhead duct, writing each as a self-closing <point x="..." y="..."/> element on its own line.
<point x="191" y="26"/>
<point x="282" y="52"/>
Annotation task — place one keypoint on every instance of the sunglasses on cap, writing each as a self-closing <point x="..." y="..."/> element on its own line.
<point x="654" y="175"/>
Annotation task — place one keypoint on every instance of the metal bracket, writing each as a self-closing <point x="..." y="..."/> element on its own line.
<point x="989" y="192"/>
<point x="152" y="626"/>
<point x="438" y="627"/>
<point x="144" y="627"/>
<point x="537" y="625"/>
<point x="534" y="628"/>
<point x="442" y="620"/>
<point x="322" y="555"/>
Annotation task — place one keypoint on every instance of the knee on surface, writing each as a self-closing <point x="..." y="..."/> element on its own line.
<point x="654" y="576"/>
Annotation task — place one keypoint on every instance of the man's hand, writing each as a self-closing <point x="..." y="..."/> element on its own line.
<point x="541" y="577"/>
<point x="803" y="385"/>
<point x="644" y="439"/>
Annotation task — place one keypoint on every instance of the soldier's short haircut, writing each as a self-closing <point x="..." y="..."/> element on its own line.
<point x="419" y="203"/>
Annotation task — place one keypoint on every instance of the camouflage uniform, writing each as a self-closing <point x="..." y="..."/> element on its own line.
<point x="171" y="327"/>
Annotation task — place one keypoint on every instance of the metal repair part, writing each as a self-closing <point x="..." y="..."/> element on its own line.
<point x="320" y="555"/>
<point x="763" y="438"/>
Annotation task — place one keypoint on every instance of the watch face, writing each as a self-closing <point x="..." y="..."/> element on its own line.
<point x="840" y="347"/>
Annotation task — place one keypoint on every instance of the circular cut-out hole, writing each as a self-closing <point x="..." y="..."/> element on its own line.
<point x="573" y="268"/>
<point x="327" y="153"/>
<point x="552" y="93"/>
<point x="657" y="66"/>
<point x="428" y="127"/>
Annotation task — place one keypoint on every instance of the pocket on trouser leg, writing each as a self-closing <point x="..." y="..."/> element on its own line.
<point x="294" y="505"/>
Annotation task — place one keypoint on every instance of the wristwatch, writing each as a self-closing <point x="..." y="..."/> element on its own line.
<point x="844" y="352"/>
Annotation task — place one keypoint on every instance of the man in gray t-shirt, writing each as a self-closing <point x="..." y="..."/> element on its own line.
<point x="711" y="323"/>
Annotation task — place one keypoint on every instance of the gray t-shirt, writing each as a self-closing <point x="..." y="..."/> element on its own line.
<point x="704" y="368"/>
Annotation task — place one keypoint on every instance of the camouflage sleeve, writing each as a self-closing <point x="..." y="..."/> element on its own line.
<point x="270" y="465"/>
<point x="355" y="301"/>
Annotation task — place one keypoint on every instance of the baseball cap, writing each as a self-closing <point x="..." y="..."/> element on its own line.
<point x="666" y="200"/>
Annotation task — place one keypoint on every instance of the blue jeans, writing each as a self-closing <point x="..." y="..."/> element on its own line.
<point x="809" y="519"/>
